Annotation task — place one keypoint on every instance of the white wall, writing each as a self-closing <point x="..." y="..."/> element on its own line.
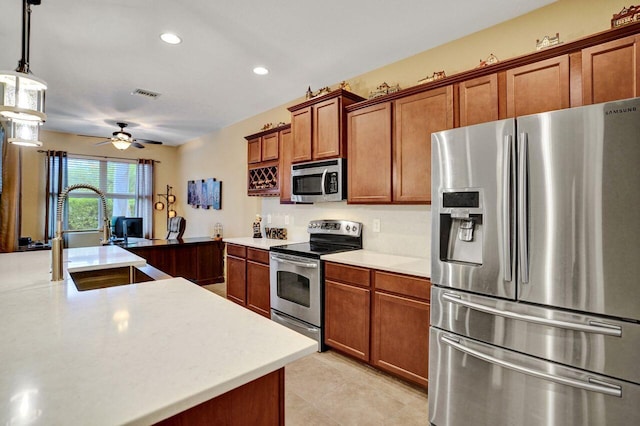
<point x="404" y="230"/>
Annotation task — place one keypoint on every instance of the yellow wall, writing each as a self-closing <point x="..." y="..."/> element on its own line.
<point x="34" y="175"/>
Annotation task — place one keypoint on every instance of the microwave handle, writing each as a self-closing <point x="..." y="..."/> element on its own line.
<point x="324" y="182"/>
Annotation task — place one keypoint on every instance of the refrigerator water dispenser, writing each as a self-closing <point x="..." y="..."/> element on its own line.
<point x="461" y="227"/>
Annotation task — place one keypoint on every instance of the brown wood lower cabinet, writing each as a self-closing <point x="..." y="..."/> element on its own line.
<point x="347" y="312"/>
<point x="379" y="317"/>
<point x="248" y="278"/>
<point x="258" y="294"/>
<point x="197" y="259"/>
<point x="237" y="280"/>
<point x="260" y="402"/>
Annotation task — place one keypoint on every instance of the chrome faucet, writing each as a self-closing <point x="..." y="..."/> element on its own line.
<point x="57" y="272"/>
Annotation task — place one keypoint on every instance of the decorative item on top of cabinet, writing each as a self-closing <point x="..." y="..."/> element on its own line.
<point x="491" y="59"/>
<point x="548" y="41"/>
<point x="383" y="89"/>
<point x="276" y="233"/>
<point x="437" y="75"/>
<point x="318" y="126"/>
<point x="627" y="15"/>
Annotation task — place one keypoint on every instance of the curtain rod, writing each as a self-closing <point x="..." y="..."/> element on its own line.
<point x="102" y="156"/>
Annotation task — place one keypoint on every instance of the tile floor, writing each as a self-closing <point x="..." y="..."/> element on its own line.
<point x="330" y="389"/>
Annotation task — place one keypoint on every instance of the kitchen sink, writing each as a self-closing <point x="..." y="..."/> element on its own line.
<point x="112" y="277"/>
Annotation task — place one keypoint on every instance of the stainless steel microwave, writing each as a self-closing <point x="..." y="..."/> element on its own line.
<point x="319" y="181"/>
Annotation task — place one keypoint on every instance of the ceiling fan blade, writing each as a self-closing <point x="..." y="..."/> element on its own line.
<point x="149" y="141"/>
<point x="103" y="142"/>
<point x="137" y="145"/>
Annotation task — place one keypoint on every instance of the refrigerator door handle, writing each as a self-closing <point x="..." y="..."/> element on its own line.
<point x="523" y="196"/>
<point x="506" y="208"/>
<point x="592" y="384"/>
<point x="594" y="327"/>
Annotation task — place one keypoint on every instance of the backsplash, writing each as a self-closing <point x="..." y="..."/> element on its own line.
<point x="404" y="229"/>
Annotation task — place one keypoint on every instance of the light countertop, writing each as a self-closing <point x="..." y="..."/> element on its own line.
<point x="417" y="266"/>
<point x="132" y="354"/>
<point x="259" y="243"/>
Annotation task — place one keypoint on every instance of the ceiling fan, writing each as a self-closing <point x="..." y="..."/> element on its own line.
<point x="123" y="140"/>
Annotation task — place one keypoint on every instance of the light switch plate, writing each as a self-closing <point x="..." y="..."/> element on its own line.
<point x="376" y="225"/>
<point x="269" y="219"/>
<point x="286" y="219"/>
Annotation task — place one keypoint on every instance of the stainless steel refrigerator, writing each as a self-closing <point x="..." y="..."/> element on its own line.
<point x="535" y="303"/>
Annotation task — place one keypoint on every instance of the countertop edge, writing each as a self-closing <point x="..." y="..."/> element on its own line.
<point x="415" y="266"/>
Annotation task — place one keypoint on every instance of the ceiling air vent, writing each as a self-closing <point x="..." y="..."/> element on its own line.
<point x="145" y="93"/>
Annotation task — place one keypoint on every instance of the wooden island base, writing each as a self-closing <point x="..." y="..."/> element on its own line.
<point x="258" y="403"/>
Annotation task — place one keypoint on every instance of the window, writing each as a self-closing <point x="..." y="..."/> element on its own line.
<point x="117" y="179"/>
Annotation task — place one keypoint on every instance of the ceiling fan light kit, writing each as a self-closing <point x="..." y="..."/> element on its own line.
<point x="22" y="96"/>
<point x="123" y="140"/>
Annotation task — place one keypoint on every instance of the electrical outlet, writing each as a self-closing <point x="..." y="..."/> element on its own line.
<point x="376" y="225"/>
<point x="286" y="219"/>
<point x="269" y="219"/>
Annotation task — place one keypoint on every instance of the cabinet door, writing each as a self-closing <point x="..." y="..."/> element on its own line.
<point x="369" y="153"/>
<point x="254" y="151"/>
<point x="270" y="147"/>
<point x="284" y="172"/>
<point x="539" y="87"/>
<point x="210" y="263"/>
<point x="400" y="341"/>
<point x="416" y="117"/>
<point x="186" y="261"/>
<point x="258" y="288"/>
<point x="327" y="129"/>
<point x="301" y="133"/>
<point x="611" y="71"/>
<point x="236" y="280"/>
<point x="347" y="310"/>
<point x="479" y="100"/>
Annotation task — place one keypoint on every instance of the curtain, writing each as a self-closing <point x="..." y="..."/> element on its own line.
<point x="57" y="181"/>
<point x="10" y="199"/>
<point x="144" y="195"/>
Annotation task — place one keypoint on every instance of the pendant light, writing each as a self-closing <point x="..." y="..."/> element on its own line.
<point x="22" y="96"/>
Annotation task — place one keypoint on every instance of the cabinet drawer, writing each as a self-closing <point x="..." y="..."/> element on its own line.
<point x="236" y="250"/>
<point x="258" y="255"/>
<point x="402" y="284"/>
<point x="347" y="274"/>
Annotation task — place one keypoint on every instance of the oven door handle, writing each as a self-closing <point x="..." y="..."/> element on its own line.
<point x="293" y="262"/>
<point x="294" y="323"/>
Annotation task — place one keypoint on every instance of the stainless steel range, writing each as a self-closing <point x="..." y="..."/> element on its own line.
<point x="297" y="275"/>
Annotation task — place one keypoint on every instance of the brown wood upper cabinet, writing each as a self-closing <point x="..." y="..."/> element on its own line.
<point x="479" y="100"/>
<point x="318" y="126"/>
<point x="263" y="146"/>
<point x="538" y="87"/>
<point x="284" y="172"/>
<point x="389" y="147"/>
<point x="611" y="71"/>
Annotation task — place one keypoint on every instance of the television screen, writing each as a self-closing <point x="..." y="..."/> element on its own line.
<point x="133" y="227"/>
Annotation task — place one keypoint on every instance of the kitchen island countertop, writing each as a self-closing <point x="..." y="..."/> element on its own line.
<point x="132" y="354"/>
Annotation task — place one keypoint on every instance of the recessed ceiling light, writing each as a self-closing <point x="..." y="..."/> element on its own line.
<point x="170" y="38"/>
<point x="261" y="71"/>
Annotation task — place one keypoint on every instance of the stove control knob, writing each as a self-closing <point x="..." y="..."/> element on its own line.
<point x="348" y="228"/>
<point x="355" y="228"/>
